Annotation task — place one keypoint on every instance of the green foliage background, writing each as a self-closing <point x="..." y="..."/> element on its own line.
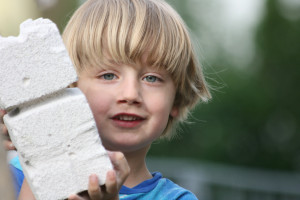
<point x="253" y="118"/>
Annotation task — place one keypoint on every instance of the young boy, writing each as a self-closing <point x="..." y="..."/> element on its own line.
<point x="138" y="70"/>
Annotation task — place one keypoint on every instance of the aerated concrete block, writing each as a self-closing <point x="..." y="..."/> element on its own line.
<point x="34" y="64"/>
<point x="52" y="127"/>
<point x="58" y="144"/>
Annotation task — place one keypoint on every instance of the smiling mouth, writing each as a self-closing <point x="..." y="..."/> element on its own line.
<point x="126" y="117"/>
<point x="127" y="120"/>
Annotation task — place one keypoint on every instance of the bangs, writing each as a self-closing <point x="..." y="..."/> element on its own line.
<point x="128" y="33"/>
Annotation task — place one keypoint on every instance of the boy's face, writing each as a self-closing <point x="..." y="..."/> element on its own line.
<point x="131" y="104"/>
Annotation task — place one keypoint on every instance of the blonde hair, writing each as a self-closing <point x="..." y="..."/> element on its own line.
<point x="129" y="29"/>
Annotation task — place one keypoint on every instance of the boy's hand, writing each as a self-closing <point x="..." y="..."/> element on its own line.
<point x="4" y="133"/>
<point x="114" y="181"/>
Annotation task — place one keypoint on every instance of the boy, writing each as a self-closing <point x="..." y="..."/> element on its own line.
<point x="138" y="70"/>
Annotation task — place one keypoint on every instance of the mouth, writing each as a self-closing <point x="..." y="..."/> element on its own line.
<point x="127" y="117"/>
<point x="126" y="120"/>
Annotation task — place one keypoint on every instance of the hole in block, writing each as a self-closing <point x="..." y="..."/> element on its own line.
<point x="26" y="81"/>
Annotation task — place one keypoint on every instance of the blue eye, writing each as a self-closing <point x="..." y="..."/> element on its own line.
<point x="108" y="76"/>
<point x="151" y="79"/>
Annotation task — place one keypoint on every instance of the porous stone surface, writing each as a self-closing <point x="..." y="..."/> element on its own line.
<point x="58" y="144"/>
<point x="52" y="126"/>
<point x="34" y="64"/>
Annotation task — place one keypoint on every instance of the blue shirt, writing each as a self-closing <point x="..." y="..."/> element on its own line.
<point x="155" y="188"/>
<point x="17" y="174"/>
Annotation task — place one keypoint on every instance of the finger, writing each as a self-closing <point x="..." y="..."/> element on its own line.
<point x="120" y="165"/>
<point x="94" y="189"/>
<point x="6" y="139"/>
<point x="111" y="182"/>
<point x="2" y="113"/>
<point x="8" y="145"/>
<point x="4" y="133"/>
<point x="3" y="129"/>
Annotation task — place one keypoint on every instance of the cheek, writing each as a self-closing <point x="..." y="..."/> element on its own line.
<point x="161" y="114"/>
<point x="160" y="106"/>
<point x="99" y="103"/>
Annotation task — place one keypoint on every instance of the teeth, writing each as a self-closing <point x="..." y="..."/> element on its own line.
<point x="127" y="118"/>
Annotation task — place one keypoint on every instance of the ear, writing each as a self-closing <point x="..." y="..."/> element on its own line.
<point x="174" y="112"/>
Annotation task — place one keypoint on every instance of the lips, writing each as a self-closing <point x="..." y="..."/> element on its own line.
<point x="126" y="120"/>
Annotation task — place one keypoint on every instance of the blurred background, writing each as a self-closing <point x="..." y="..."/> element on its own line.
<point x="244" y="143"/>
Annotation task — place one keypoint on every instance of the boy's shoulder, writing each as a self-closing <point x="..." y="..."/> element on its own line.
<point x="173" y="191"/>
<point x="157" y="188"/>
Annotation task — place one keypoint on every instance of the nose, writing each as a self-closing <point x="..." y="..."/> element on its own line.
<point x="130" y="92"/>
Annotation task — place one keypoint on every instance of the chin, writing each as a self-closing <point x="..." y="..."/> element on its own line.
<point x="126" y="147"/>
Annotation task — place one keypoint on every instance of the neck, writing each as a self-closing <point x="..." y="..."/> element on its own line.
<point x="138" y="168"/>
